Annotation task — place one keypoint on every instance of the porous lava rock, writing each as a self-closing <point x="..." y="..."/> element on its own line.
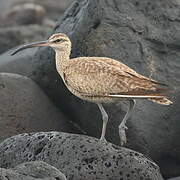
<point x="35" y="170"/>
<point x="78" y="157"/>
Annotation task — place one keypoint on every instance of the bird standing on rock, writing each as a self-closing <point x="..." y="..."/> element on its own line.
<point x="102" y="80"/>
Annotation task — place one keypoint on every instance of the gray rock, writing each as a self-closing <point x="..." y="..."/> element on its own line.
<point x="176" y="178"/>
<point x="25" y="108"/>
<point x="54" y="8"/>
<point x="36" y="170"/>
<point x="14" y="36"/>
<point x="145" y="36"/>
<point x="26" y="13"/>
<point x="78" y="157"/>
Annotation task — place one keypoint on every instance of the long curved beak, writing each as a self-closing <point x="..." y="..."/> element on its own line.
<point x="35" y="44"/>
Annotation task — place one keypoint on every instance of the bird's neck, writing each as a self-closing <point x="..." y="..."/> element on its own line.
<point x="62" y="60"/>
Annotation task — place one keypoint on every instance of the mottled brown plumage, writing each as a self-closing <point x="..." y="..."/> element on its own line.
<point x="97" y="79"/>
<point x="102" y="80"/>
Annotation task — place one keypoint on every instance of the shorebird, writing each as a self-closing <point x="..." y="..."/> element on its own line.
<point x="102" y="80"/>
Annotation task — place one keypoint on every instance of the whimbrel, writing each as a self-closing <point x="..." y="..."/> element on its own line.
<point x="102" y="80"/>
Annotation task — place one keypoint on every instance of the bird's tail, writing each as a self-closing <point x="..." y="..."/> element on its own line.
<point x="161" y="100"/>
<point x="163" y="90"/>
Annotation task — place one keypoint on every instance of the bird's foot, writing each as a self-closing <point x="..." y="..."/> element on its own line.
<point x="103" y="139"/>
<point x="122" y="134"/>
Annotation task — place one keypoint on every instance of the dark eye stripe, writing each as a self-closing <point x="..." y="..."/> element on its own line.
<point x="59" y="40"/>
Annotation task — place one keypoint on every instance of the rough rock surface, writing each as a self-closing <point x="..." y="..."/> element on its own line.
<point x="25" y="108"/>
<point x="36" y="170"/>
<point x="78" y="157"/>
<point x="145" y="35"/>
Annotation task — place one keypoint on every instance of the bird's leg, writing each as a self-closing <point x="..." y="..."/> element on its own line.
<point x="105" y="120"/>
<point x="122" y="126"/>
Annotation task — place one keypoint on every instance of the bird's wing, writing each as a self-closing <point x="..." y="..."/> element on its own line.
<point x="128" y="70"/>
<point x="96" y="77"/>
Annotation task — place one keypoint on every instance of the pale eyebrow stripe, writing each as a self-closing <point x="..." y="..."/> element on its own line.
<point x="52" y="39"/>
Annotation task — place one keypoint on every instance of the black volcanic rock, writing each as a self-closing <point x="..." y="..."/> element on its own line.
<point x="78" y="157"/>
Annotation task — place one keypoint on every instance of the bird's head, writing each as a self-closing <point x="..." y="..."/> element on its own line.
<point x="59" y="42"/>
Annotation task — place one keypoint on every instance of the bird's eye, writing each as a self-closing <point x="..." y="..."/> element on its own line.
<point x="58" y="40"/>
